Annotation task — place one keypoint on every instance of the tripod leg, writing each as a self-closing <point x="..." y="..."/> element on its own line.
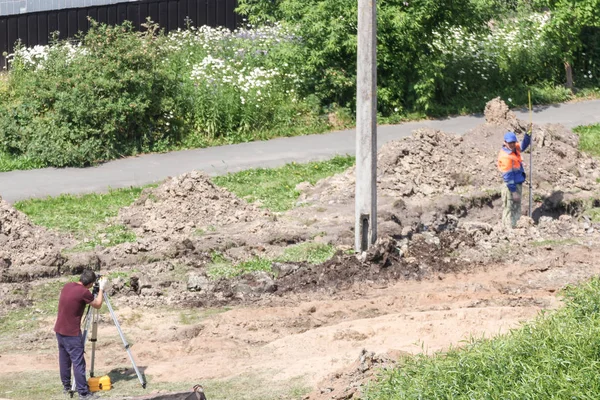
<point x="94" y="339"/>
<point x="125" y="344"/>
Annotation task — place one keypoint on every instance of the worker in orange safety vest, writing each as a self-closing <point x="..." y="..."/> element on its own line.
<point x="510" y="165"/>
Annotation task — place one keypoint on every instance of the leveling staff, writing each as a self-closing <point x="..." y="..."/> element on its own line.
<point x="71" y="306"/>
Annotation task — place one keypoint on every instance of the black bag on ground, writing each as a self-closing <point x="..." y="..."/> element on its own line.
<point x="197" y="394"/>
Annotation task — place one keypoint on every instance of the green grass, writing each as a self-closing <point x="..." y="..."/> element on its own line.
<point x="44" y="298"/>
<point x="313" y="253"/>
<point x="193" y="316"/>
<point x="589" y="138"/>
<point x="557" y="356"/>
<point x="563" y="242"/>
<point x="223" y="268"/>
<point x="9" y="163"/>
<point x="86" y="217"/>
<point x="46" y="385"/>
<point x="274" y="188"/>
<point x="593" y="213"/>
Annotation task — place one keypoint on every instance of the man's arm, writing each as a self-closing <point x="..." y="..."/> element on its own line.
<point x="97" y="302"/>
<point x="526" y="141"/>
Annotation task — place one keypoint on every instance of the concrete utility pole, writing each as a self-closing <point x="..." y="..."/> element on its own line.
<point x="366" y="127"/>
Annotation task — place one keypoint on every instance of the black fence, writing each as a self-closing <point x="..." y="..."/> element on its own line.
<point x="36" y="28"/>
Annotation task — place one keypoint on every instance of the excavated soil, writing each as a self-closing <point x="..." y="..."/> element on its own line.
<point x="443" y="270"/>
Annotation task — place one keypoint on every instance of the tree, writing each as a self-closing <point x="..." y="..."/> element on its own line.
<point x="406" y="67"/>
<point x="568" y="20"/>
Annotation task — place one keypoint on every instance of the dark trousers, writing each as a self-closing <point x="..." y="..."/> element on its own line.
<point x="70" y="353"/>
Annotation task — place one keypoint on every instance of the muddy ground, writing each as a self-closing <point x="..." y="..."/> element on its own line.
<point x="442" y="271"/>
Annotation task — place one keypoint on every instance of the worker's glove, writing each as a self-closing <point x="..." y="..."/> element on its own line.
<point x="102" y="282"/>
<point x="516" y="197"/>
<point x="529" y="130"/>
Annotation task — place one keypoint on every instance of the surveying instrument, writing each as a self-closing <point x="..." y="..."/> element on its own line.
<point x="91" y="320"/>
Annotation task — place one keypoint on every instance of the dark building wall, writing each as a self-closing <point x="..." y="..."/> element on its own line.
<point x="8" y="7"/>
<point x="36" y="28"/>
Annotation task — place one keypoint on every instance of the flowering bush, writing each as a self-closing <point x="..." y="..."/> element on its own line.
<point x="439" y="56"/>
<point x="241" y="80"/>
<point x="117" y="92"/>
<point x="79" y="104"/>
<point x="506" y="54"/>
<point x="36" y="57"/>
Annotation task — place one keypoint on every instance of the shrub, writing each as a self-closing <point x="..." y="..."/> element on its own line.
<point x="118" y="92"/>
<point x="103" y="99"/>
<point x="440" y="57"/>
<point x="240" y="82"/>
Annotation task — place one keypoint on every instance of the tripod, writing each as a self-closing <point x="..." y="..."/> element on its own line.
<point x="91" y="319"/>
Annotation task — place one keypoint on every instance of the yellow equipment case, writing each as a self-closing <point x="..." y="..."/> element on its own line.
<point x="98" y="383"/>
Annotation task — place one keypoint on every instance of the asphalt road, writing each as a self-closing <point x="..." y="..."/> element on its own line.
<point x="145" y="169"/>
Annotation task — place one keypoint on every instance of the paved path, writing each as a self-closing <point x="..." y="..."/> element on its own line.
<point x="137" y="171"/>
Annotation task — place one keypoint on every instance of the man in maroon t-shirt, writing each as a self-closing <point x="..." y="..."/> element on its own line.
<point x="71" y="306"/>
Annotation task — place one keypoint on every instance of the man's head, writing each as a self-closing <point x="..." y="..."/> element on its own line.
<point x="510" y="140"/>
<point x="88" y="277"/>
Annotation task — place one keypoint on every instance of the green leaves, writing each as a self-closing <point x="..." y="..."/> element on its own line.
<point x="94" y="102"/>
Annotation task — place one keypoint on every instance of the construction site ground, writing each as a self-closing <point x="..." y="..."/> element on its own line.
<point x="443" y="271"/>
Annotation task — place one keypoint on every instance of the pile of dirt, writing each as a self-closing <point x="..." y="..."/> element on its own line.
<point x="27" y="251"/>
<point x="186" y="204"/>
<point x="348" y="383"/>
<point x="424" y="256"/>
<point x="432" y="164"/>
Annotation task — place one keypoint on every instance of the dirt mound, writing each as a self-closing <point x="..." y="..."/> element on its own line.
<point x="185" y="204"/>
<point x="425" y="256"/>
<point x="497" y="113"/>
<point x="348" y="383"/>
<point x="27" y="251"/>
<point x="431" y="164"/>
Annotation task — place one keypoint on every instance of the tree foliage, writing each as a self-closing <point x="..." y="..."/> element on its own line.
<point x="568" y="22"/>
<point x="328" y="28"/>
<point x="415" y="75"/>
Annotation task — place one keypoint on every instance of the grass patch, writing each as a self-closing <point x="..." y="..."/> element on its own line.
<point x="593" y="213"/>
<point x="46" y="385"/>
<point x="275" y="188"/>
<point x="313" y="253"/>
<point x="86" y="217"/>
<point x="44" y="299"/>
<point x="9" y="163"/>
<point x="589" y="138"/>
<point x="557" y="356"/>
<point x="562" y="242"/>
<point x="223" y="268"/>
<point x="190" y="317"/>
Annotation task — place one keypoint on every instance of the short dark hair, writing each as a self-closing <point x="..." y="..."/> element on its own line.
<point x="88" y="276"/>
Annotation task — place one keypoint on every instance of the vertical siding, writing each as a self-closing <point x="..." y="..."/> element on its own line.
<point x="37" y="28"/>
<point x="8" y="7"/>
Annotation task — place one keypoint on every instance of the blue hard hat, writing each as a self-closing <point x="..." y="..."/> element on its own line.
<point x="510" y="137"/>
